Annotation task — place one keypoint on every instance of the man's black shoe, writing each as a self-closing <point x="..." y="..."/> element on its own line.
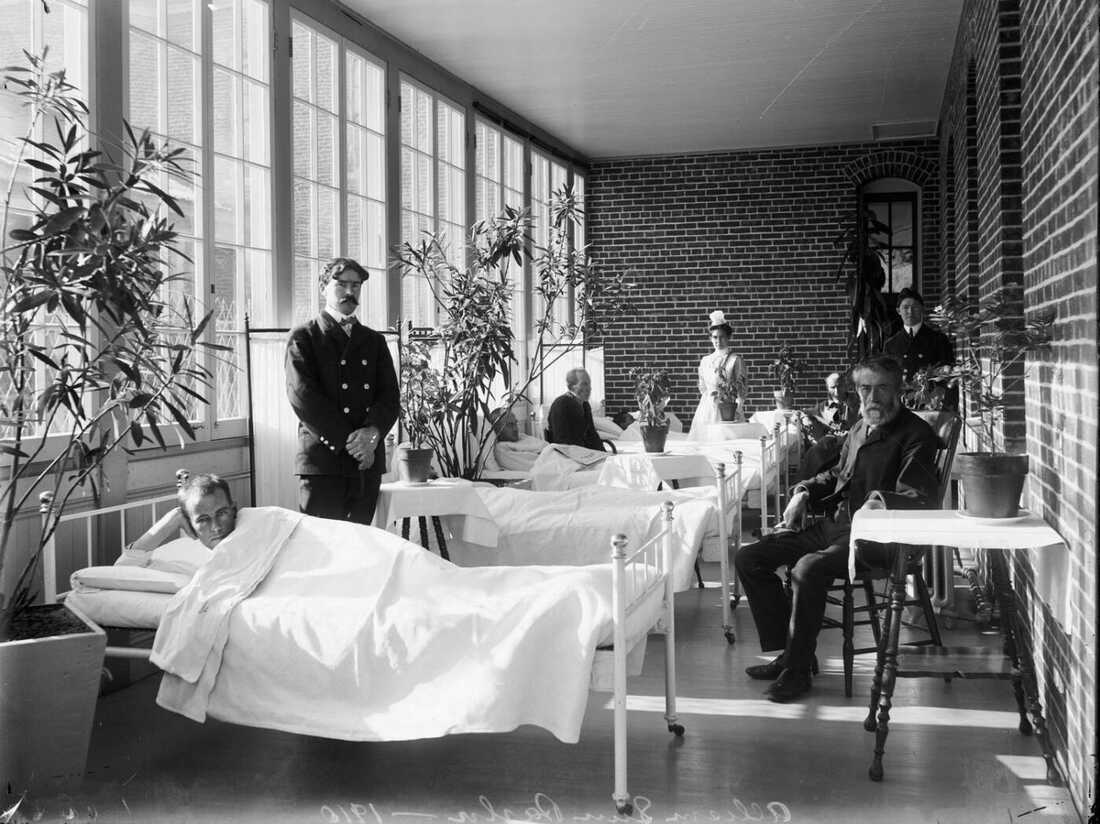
<point x="790" y="685"/>
<point x="772" y="670"/>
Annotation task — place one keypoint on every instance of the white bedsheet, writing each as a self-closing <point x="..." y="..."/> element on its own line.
<point x="352" y="633"/>
<point x="575" y="526"/>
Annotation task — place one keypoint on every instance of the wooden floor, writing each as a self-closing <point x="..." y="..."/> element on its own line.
<point x="954" y="755"/>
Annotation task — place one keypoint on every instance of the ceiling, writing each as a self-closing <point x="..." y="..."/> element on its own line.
<point x="640" y="77"/>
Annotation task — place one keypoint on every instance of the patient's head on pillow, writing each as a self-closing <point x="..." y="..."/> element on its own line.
<point x="208" y="508"/>
<point x="504" y="424"/>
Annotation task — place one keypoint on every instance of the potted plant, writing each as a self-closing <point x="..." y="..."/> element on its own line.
<point x="862" y="266"/>
<point x="726" y="396"/>
<point x="785" y="370"/>
<point x="453" y="376"/>
<point x="991" y="343"/>
<point x="652" y="390"/>
<point x="97" y="352"/>
<point x="422" y="402"/>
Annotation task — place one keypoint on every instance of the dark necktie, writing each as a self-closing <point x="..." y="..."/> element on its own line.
<point x="347" y="323"/>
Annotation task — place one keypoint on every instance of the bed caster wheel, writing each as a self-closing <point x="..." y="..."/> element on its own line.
<point x="624" y="807"/>
<point x="874" y="772"/>
<point x="734" y="601"/>
<point x="1025" y="727"/>
<point x="870" y="724"/>
<point x="677" y="730"/>
<point x="730" y="637"/>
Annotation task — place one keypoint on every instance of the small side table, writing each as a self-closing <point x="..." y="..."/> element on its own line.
<point x="442" y="497"/>
<point x="950" y="528"/>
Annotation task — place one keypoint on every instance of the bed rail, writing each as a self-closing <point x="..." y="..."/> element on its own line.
<point x="635" y="575"/>
<point x="731" y="501"/>
<point x="91" y="520"/>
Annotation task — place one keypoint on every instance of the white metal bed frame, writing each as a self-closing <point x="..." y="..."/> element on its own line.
<point x="640" y="571"/>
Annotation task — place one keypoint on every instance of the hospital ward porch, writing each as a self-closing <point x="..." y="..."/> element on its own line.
<point x="954" y="754"/>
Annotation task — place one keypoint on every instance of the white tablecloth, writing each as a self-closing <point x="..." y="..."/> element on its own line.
<point x="948" y="527"/>
<point x="454" y="499"/>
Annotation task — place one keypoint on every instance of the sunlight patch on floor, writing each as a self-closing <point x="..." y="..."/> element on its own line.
<point x="753" y="708"/>
<point x="928" y="716"/>
<point x="756" y="708"/>
<point x="1025" y="767"/>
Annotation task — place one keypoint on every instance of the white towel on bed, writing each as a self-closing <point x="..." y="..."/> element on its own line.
<point x="357" y="634"/>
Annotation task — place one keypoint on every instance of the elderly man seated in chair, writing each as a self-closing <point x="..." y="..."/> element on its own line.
<point x="888" y="459"/>
<point x="570" y="419"/>
<point x="512" y="449"/>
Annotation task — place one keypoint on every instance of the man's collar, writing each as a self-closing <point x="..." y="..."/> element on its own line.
<point x="337" y="317"/>
<point x="913" y="330"/>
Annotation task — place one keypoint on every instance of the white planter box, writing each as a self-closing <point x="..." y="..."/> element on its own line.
<point x="48" y="690"/>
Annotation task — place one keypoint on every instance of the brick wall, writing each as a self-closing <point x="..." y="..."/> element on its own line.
<point x="749" y="233"/>
<point x="1019" y="126"/>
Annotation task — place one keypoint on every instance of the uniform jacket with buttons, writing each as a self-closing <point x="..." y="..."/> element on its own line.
<point x="898" y="459"/>
<point x="928" y="348"/>
<point x="337" y="384"/>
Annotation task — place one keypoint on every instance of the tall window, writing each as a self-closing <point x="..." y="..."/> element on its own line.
<point x="898" y="247"/>
<point x="498" y="183"/>
<point x="339" y="166"/>
<point x="433" y="186"/>
<point x="226" y="229"/>
<point x="26" y="26"/>
<point x="547" y="177"/>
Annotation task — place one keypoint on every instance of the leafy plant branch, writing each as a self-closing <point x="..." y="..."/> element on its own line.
<point x="98" y="347"/>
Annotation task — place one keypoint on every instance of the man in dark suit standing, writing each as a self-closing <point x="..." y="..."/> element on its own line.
<point x="342" y="386"/>
<point x="570" y="419"/>
<point x="918" y="345"/>
<point x="888" y="459"/>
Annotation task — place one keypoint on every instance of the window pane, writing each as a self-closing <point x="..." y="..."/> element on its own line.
<point x="255" y="44"/>
<point x="257" y="205"/>
<point x="256" y="131"/>
<point x="302" y="63"/>
<point x="181" y="23"/>
<point x="326" y="149"/>
<point x="143" y="15"/>
<point x="901" y="215"/>
<point x="145" y="81"/>
<point x="304" y="154"/>
<point x="225" y="109"/>
<point x="182" y="77"/>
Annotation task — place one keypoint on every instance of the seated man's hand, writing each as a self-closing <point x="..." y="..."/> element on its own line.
<point x="794" y="515"/>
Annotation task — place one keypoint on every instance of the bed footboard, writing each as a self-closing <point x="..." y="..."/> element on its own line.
<point x="635" y="576"/>
<point x="729" y="496"/>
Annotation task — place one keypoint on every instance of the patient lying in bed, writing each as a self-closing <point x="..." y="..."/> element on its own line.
<point x="513" y="450"/>
<point x="346" y="631"/>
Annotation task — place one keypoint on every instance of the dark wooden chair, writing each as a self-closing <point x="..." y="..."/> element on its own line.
<point x="843" y="594"/>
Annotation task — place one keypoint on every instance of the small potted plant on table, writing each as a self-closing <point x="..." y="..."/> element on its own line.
<point x="992" y="480"/>
<point x="785" y="370"/>
<point x="652" y="391"/>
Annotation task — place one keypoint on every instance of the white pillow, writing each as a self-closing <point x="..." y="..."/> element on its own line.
<point x="607" y="428"/>
<point x="133" y="578"/>
<point x="182" y="556"/>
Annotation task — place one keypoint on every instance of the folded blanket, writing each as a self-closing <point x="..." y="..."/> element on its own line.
<point x="558" y="462"/>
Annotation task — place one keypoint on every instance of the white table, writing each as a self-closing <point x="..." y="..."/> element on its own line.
<point x="454" y="499"/>
<point x="950" y="528"/>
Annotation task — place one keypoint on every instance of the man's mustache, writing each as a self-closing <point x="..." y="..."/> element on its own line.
<point x="346" y="298"/>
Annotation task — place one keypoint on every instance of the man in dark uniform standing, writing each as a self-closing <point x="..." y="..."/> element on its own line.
<point x="342" y="386"/>
<point x="920" y="346"/>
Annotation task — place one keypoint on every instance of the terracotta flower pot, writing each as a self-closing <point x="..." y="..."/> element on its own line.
<point x="653" y="438"/>
<point x="783" y="399"/>
<point x="727" y="410"/>
<point x="414" y="465"/>
<point x="991" y="483"/>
